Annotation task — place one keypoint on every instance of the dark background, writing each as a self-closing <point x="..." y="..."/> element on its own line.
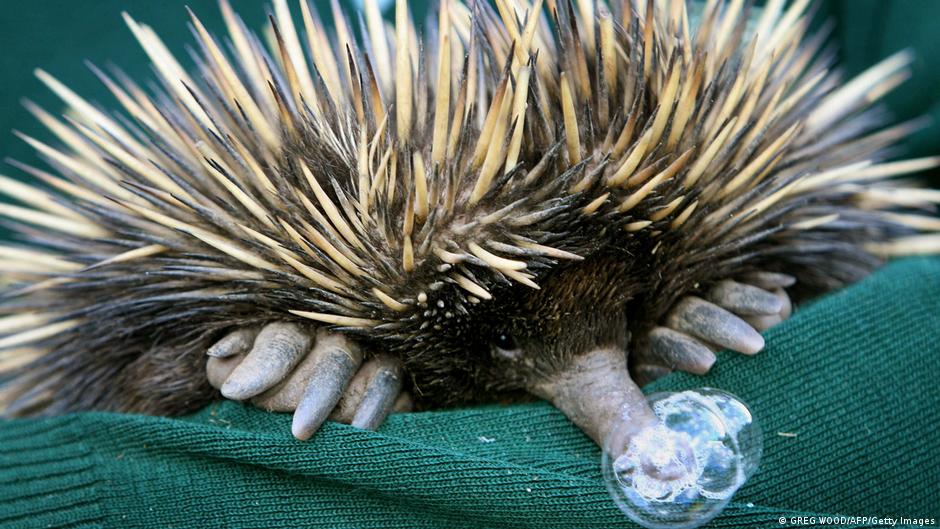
<point x="59" y="35"/>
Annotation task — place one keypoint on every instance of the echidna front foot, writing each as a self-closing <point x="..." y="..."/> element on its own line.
<point x="374" y="391"/>
<point x="316" y="374"/>
<point x="731" y="316"/>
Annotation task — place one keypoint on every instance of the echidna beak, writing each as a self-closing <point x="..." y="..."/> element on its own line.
<point x="597" y="394"/>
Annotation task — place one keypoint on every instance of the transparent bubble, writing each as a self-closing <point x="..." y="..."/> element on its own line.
<point x="741" y="424"/>
<point x="681" y="472"/>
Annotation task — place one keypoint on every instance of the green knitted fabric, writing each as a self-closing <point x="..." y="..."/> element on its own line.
<point x="850" y="380"/>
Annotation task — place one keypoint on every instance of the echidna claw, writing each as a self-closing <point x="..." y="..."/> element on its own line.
<point x="787" y="305"/>
<point x="713" y="324"/>
<point x="218" y="368"/>
<point x="403" y="403"/>
<point x="335" y="367"/>
<point x="234" y="343"/>
<point x="745" y="300"/>
<point x="316" y="375"/>
<point x="360" y="386"/>
<point x="277" y="349"/>
<point x="380" y="395"/>
<point x="677" y="350"/>
<point x="763" y="322"/>
<point x="737" y="311"/>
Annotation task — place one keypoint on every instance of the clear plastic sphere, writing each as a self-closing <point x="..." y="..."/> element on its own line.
<point x="681" y="472"/>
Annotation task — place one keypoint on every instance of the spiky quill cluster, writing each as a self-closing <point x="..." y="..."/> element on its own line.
<point x="389" y="186"/>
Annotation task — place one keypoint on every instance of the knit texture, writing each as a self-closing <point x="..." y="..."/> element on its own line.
<point x="846" y="393"/>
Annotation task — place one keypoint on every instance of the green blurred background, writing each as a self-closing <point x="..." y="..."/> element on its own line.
<point x="60" y="35"/>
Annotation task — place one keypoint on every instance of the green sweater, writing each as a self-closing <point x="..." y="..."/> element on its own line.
<point x="846" y="393"/>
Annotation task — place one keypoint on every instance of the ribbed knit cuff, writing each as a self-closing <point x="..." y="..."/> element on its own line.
<point x="47" y="476"/>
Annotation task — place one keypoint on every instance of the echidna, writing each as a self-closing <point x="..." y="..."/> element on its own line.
<point x="519" y="199"/>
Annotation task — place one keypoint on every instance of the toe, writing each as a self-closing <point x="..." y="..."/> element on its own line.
<point x="336" y="361"/>
<point x="744" y="300"/>
<point x="278" y="348"/>
<point x="713" y="324"/>
<point x="381" y="393"/>
<point x="403" y="403"/>
<point x="361" y="384"/>
<point x="219" y="369"/>
<point x="286" y="396"/>
<point x="234" y="343"/>
<point x="680" y="351"/>
<point x="762" y="323"/>
<point x="787" y="305"/>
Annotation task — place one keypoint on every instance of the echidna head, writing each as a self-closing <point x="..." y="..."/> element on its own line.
<point x="567" y="342"/>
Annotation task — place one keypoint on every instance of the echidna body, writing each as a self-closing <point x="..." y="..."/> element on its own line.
<point x="514" y="200"/>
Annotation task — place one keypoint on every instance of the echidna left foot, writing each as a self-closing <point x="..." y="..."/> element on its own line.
<point x="315" y="374"/>
<point x="731" y="317"/>
<point x="373" y="393"/>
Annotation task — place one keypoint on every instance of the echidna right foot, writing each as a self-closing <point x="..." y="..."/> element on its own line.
<point x="732" y="317"/>
<point x="315" y="374"/>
